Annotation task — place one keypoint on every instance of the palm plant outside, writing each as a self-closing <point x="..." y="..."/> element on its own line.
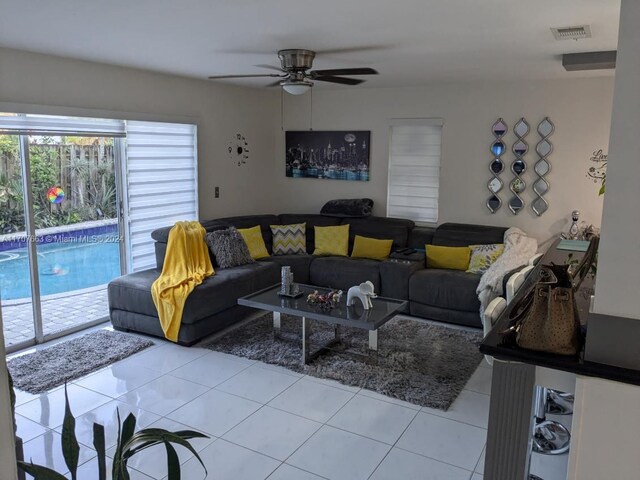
<point x="82" y="166"/>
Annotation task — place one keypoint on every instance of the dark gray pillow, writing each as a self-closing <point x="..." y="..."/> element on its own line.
<point x="228" y="247"/>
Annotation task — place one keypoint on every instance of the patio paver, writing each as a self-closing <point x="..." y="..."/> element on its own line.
<point x="59" y="312"/>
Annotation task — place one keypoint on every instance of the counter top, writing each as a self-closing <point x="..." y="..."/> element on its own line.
<point x="495" y="344"/>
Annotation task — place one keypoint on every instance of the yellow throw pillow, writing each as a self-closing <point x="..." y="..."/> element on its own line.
<point x="332" y="240"/>
<point x="483" y="256"/>
<point x="451" y="258"/>
<point x="253" y="238"/>
<point x="365" y="247"/>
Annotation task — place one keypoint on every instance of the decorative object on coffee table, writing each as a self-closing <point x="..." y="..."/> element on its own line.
<point x="325" y="301"/>
<point x="338" y="316"/>
<point x="419" y="362"/>
<point x="363" y="292"/>
<point x="518" y="166"/>
<point x="498" y="147"/>
<point x="542" y="167"/>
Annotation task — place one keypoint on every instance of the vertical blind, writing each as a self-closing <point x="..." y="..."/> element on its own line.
<point x="161" y="183"/>
<point x="414" y="169"/>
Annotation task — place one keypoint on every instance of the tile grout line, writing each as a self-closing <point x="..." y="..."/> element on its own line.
<point x="453" y="420"/>
<point x="479" y="458"/>
<point x="394" y="444"/>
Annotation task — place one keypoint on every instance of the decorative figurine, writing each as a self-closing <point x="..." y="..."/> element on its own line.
<point x="327" y="301"/>
<point x="574" y="230"/>
<point x="364" y="292"/>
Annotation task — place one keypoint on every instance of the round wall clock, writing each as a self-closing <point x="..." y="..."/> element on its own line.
<point x="238" y="150"/>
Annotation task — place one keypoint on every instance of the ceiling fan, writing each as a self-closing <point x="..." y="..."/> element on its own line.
<point x="297" y="78"/>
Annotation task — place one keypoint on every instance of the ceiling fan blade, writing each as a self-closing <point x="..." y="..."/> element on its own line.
<point x="270" y="67"/>
<point x="342" y="80"/>
<point x="356" y="49"/>
<point x="345" y="71"/>
<point x="275" y="84"/>
<point x="215" y="77"/>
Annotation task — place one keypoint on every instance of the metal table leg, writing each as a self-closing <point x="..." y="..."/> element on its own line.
<point x="306" y="344"/>
<point x="373" y="340"/>
<point x="276" y="324"/>
<point x="510" y="421"/>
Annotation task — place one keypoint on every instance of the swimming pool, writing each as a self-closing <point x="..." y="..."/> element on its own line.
<point x="63" y="267"/>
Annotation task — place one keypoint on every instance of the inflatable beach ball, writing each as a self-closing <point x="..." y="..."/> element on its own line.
<point x="55" y="195"/>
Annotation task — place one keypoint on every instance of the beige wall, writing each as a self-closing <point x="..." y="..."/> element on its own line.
<point x="606" y="420"/>
<point x="63" y="86"/>
<point x="619" y="253"/>
<point x="580" y="109"/>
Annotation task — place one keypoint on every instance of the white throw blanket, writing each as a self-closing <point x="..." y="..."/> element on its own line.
<point x="518" y="249"/>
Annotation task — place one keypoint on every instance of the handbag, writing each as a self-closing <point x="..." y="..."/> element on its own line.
<point x="547" y="319"/>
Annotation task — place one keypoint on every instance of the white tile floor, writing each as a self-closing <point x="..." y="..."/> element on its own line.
<point x="266" y="422"/>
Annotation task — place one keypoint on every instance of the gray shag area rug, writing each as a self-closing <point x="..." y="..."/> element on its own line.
<point x="419" y="362"/>
<point x="50" y="367"/>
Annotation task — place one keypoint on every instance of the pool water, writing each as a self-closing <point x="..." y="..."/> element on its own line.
<point x="63" y="267"/>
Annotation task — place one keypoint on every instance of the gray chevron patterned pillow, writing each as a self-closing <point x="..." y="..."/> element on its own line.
<point x="289" y="239"/>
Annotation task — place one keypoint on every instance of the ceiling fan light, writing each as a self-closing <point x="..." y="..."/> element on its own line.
<point x="296" y="88"/>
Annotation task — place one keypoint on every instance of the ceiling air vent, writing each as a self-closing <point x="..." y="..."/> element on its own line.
<point x="572" y="33"/>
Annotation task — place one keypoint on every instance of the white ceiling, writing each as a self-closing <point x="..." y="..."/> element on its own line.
<point x="410" y="42"/>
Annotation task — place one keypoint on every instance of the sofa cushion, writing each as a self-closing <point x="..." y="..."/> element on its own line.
<point x="248" y="221"/>
<point x="332" y="240"/>
<point x="483" y="256"/>
<point x="289" y="239"/>
<point x="228" y="248"/>
<point x="299" y="264"/>
<point x="132" y="292"/>
<point x="254" y="241"/>
<point x="344" y="272"/>
<point x="452" y="258"/>
<point x="463" y="234"/>
<point x="311" y="221"/>
<point x="380" y="227"/>
<point x="161" y="236"/>
<point x="373" y="248"/>
<point x="452" y="289"/>
<point x="420" y="236"/>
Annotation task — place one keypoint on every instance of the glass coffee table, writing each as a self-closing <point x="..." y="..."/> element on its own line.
<point x="384" y="309"/>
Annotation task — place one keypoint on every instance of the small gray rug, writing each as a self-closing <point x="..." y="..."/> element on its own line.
<point x="50" y="367"/>
<point x="418" y="362"/>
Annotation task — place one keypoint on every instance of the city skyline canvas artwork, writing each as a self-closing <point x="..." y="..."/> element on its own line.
<point x="333" y="155"/>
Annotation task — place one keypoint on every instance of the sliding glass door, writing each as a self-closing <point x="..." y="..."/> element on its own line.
<point x="15" y="265"/>
<point x="79" y="198"/>
<point x="75" y="202"/>
<point x="61" y="241"/>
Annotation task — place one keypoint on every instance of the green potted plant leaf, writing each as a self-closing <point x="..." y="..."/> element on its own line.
<point x="128" y="444"/>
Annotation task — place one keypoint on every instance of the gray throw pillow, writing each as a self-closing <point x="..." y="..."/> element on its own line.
<point x="229" y="248"/>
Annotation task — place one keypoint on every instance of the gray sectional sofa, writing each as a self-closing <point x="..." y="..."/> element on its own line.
<point x="444" y="295"/>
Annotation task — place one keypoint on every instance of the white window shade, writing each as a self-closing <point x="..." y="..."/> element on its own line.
<point x="414" y="169"/>
<point x="162" y="184"/>
<point x="20" y="124"/>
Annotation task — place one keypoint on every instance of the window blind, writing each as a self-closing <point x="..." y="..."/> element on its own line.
<point x="162" y="184"/>
<point x="414" y="169"/>
<point x="21" y="124"/>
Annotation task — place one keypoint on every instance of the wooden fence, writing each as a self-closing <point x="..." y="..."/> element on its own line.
<point x="80" y="169"/>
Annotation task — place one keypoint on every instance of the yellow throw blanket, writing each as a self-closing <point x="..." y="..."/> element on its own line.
<point x="186" y="265"/>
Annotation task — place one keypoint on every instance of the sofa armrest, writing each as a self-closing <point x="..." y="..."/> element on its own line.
<point x="395" y="275"/>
